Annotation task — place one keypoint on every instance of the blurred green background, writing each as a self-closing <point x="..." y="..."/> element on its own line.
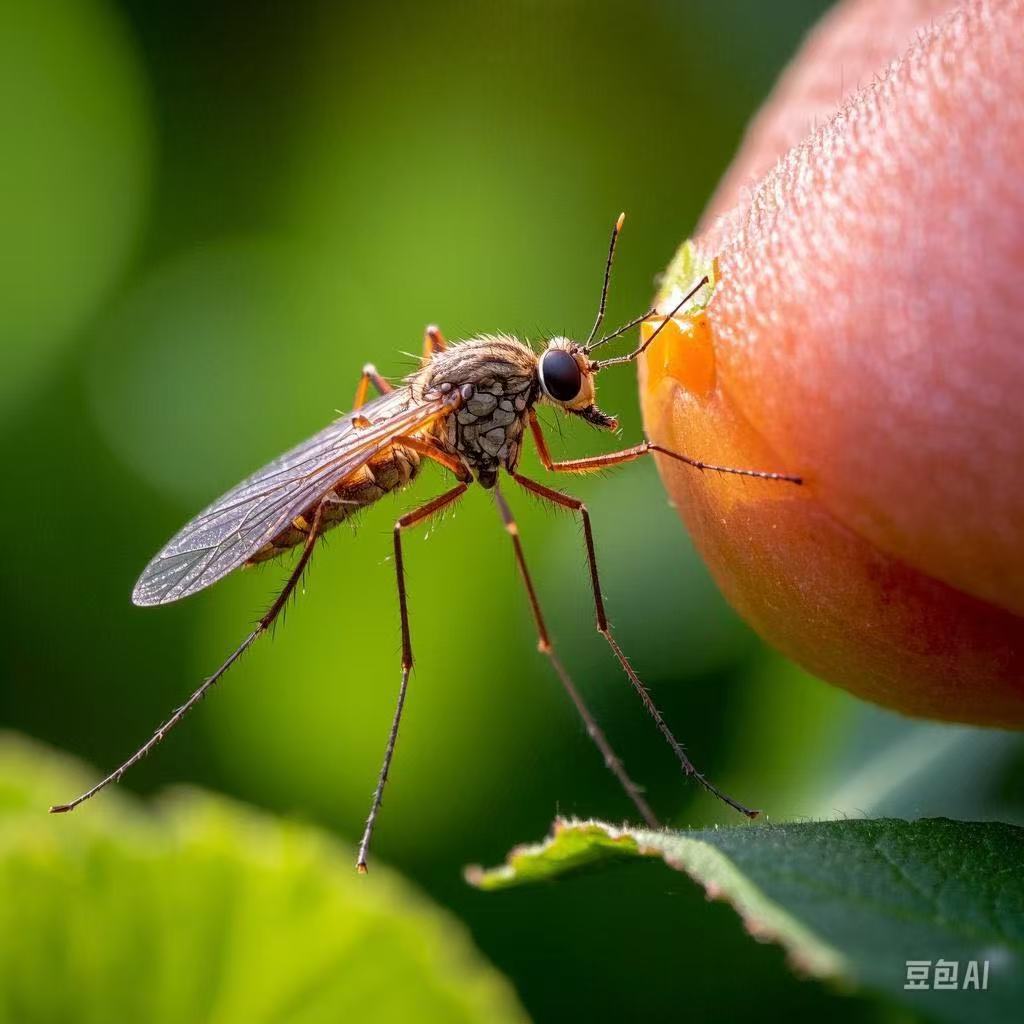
<point x="213" y="214"/>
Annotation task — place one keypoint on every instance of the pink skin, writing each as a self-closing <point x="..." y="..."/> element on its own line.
<point x="868" y="332"/>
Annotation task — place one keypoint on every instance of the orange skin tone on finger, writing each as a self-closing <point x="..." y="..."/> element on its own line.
<point x="867" y="332"/>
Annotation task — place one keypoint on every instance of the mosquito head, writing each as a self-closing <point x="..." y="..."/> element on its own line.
<point x="565" y="369"/>
<point x="566" y="379"/>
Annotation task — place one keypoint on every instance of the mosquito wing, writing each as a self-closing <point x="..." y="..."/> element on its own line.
<point x="240" y="522"/>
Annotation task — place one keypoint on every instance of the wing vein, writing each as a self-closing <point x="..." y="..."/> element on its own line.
<point x="233" y="528"/>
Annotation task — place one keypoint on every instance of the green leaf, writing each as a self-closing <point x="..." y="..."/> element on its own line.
<point x="206" y="911"/>
<point x="688" y="266"/>
<point x="74" y="179"/>
<point x="850" y="901"/>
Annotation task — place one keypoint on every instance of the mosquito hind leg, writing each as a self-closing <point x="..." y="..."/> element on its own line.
<point x="369" y="376"/>
<point x="261" y="627"/>
<point x="406" y="521"/>
<point x="603" y="627"/>
<point x="595" y="732"/>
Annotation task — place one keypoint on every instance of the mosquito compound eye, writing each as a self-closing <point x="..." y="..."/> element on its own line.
<point x="560" y="375"/>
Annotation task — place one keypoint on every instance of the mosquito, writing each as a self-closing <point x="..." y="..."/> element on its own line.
<point x="467" y="408"/>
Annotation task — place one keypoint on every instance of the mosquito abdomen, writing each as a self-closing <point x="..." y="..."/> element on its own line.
<point x="392" y="469"/>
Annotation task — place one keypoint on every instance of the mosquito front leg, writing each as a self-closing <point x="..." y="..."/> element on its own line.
<point x="370" y="376"/>
<point x="597" y="462"/>
<point x="410" y="519"/>
<point x="544" y="644"/>
<point x="431" y="450"/>
<point x="262" y="626"/>
<point x="565" y="501"/>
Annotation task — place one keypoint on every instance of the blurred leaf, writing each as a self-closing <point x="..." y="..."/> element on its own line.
<point x="209" y="912"/>
<point x="891" y="765"/>
<point x="195" y="378"/>
<point x="850" y="901"/>
<point x="73" y="179"/>
<point x="804" y="749"/>
<point x="683" y="273"/>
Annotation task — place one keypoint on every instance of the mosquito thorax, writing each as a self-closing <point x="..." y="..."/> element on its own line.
<point x="496" y="377"/>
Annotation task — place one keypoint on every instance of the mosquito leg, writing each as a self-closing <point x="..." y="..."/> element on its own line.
<point x="558" y="498"/>
<point x="545" y="647"/>
<point x="261" y="627"/>
<point x="370" y="376"/>
<point x="429" y="449"/>
<point x="597" y="462"/>
<point x="433" y="342"/>
<point x="409" y="519"/>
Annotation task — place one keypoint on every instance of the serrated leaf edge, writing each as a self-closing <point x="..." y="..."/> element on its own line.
<point x="717" y="875"/>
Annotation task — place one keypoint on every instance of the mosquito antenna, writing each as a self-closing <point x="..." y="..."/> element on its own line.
<point x="622" y="330"/>
<point x="607" y="280"/>
<point x="619" y="360"/>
